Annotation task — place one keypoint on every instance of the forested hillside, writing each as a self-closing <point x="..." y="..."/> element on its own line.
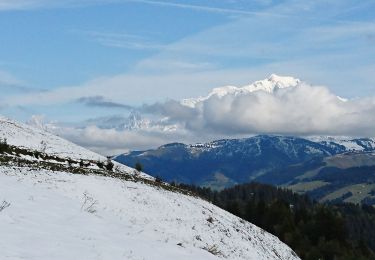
<point x="313" y="230"/>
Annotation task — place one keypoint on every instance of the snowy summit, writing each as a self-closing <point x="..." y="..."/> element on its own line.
<point x="269" y="85"/>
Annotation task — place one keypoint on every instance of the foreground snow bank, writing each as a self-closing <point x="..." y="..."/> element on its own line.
<point x="58" y="215"/>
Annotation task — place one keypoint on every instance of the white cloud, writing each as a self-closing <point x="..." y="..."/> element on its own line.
<point x="122" y="40"/>
<point x="12" y="86"/>
<point x="302" y="110"/>
<point x="37" y="4"/>
<point x="16" y="4"/>
<point x="9" y="80"/>
<point x="112" y="141"/>
<point x="203" y="8"/>
<point x="41" y="4"/>
<point x="30" y="4"/>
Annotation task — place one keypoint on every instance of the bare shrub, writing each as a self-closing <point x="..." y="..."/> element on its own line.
<point x="89" y="204"/>
<point x="5" y="204"/>
<point x="109" y="166"/>
<point x="213" y="250"/>
<point x="210" y="219"/>
<point x="43" y="146"/>
<point x="158" y="179"/>
<point x="138" y="166"/>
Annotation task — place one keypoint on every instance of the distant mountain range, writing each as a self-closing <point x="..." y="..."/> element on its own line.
<point x="281" y="160"/>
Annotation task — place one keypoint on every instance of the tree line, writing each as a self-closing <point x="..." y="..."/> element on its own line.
<point x="312" y="230"/>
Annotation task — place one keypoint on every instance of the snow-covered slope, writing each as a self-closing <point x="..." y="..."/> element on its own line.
<point x="269" y="85"/>
<point x="73" y="212"/>
<point x="33" y="138"/>
<point x="57" y="215"/>
<point x="36" y="139"/>
<point x="349" y="143"/>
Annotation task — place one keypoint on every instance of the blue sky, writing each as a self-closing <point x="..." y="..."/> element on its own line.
<point x="55" y="53"/>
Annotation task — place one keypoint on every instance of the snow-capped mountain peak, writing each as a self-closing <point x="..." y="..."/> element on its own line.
<point x="136" y="121"/>
<point x="269" y="85"/>
<point x="272" y="83"/>
<point x="222" y="91"/>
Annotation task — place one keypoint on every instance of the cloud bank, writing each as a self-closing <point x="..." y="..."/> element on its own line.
<point x="299" y="109"/>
